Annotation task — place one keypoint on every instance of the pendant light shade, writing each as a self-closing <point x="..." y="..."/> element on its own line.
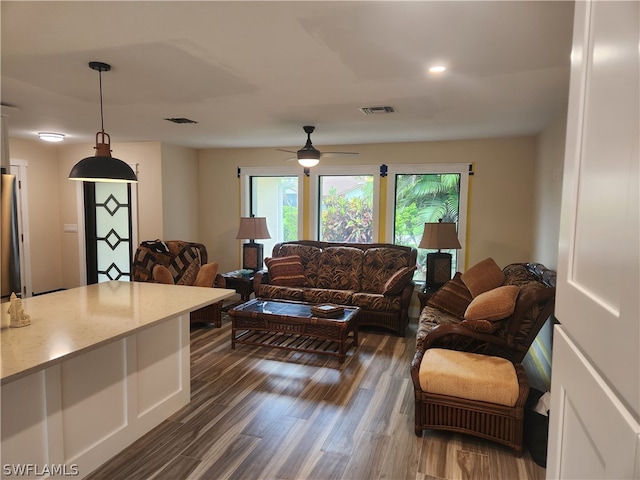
<point x="102" y="167"/>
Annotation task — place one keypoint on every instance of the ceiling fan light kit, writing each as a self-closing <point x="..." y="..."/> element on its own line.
<point x="102" y="167"/>
<point x="308" y="156"/>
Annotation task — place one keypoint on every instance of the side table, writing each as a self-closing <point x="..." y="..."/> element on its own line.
<point x="242" y="285"/>
<point x="424" y="298"/>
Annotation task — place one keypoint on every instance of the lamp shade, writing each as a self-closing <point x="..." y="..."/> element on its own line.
<point x="102" y="169"/>
<point x="253" y="228"/>
<point x="439" y="235"/>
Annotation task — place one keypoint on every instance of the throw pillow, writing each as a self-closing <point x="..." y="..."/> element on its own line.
<point x="493" y="305"/>
<point x="483" y="276"/>
<point x="481" y="326"/>
<point x="286" y="271"/>
<point x="453" y="297"/>
<point x="161" y="274"/>
<point x="398" y="281"/>
<point x="206" y="275"/>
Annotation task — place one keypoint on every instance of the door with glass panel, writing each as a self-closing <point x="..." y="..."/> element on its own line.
<point x="108" y="231"/>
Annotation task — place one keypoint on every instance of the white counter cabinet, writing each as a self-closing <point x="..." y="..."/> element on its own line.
<point x="98" y="367"/>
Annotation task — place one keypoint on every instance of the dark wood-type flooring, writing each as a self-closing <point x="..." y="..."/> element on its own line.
<point x="258" y="413"/>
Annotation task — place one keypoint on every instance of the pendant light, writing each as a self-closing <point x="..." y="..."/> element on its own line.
<point x="102" y="167"/>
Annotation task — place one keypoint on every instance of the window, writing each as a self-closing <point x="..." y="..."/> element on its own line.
<point x="346" y="201"/>
<point x="424" y="194"/>
<point x="273" y="193"/>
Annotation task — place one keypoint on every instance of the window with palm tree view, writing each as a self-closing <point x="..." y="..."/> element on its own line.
<point x="425" y="198"/>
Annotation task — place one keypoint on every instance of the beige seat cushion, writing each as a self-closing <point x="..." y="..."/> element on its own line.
<point x="470" y="376"/>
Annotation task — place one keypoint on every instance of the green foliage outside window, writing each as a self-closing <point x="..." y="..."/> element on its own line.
<point x="346" y="219"/>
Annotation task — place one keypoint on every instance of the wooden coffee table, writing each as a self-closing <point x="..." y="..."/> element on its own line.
<point x="290" y="325"/>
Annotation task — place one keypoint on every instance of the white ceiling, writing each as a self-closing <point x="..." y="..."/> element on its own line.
<point x="253" y="73"/>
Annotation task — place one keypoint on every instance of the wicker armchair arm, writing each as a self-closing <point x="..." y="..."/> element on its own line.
<point x="459" y="337"/>
<point x="260" y="277"/>
<point x="220" y="282"/>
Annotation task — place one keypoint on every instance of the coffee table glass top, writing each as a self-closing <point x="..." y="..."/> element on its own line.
<point x="290" y="309"/>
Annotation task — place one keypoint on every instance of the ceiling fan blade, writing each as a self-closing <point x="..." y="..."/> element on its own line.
<point x="283" y="150"/>
<point x="337" y="154"/>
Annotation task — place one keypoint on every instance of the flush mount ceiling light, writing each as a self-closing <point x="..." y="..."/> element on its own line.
<point x="51" y="136"/>
<point x="102" y="167"/>
<point x="437" y="69"/>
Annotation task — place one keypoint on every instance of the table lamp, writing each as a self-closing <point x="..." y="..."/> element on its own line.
<point x="438" y="236"/>
<point x="252" y="228"/>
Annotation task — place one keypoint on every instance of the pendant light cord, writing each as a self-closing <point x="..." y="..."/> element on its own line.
<point x="101" y="111"/>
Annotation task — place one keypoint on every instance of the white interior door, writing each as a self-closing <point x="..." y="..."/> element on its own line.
<point x="595" y="386"/>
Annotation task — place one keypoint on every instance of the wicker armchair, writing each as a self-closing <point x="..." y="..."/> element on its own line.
<point x="181" y="263"/>
<point x="440" y="329"/>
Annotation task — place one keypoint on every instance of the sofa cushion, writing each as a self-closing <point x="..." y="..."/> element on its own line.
<point x="207" y="275"/>
<point x="396" y="283"/>
<point x="340" y="268"/>
<point x="483" y="276"/>
<point x="309" y="257"/>
<point x="376" y="302"/>
<point x="453" y="297"/>
<point x="493" y="305"/>
<point x="482" y="326"/>
<point x="431" y="317"/>
<point x="328" y="295"/>
<point x="379" y="264"/>
<point x="286" y="271"/>
<point x="281" y="293"/>
<point x="161" y="274"/>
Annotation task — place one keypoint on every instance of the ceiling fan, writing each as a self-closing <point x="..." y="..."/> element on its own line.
<point x="309" y="156"/>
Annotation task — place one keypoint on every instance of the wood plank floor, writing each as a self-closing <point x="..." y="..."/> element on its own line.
<point x="258" y="413"/>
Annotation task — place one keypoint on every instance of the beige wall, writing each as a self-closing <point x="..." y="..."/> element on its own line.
<point x="548" y="191"/>
<point x="195" y="194"/>
<point x="500" y="200"/>
<point x="53" y="202"/>
<point x="179" y="193"/>
<point x="45" y="225"/>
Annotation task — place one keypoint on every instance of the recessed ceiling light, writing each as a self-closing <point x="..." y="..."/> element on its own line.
<point x="51" y="137"/>
<point x="437" y="69"/>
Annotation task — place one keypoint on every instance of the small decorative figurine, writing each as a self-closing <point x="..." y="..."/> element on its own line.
<point x="17" y="316"/>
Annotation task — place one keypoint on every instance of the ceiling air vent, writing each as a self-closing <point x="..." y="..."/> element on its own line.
<point x="376" y="110"/>
<point x="180" y="120"/>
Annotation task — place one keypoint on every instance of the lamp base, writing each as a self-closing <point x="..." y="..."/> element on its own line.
<point x="438" y="270"/>
<point x="252" y="256"/>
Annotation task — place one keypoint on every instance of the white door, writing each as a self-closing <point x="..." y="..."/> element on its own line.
<point x="595" y="386"/>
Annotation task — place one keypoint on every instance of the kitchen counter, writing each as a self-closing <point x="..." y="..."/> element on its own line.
<point x="98" y="367"/>
<point x="69" y="322"/>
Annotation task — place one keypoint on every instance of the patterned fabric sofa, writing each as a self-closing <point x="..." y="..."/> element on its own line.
<point x="377" y="277"/>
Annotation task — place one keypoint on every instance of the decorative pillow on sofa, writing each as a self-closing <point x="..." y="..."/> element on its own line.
<point x="286" y="271"/>
<point x="207" y="275"/>
<point x="483" y="276"/>
<point x="398" y="281"/>
<point x="161" y="274"/>
<point x="453" y="297"/>
<point x="493" y="305"/>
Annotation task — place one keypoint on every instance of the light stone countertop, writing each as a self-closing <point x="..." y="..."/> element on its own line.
<point x="69" y="322"/>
